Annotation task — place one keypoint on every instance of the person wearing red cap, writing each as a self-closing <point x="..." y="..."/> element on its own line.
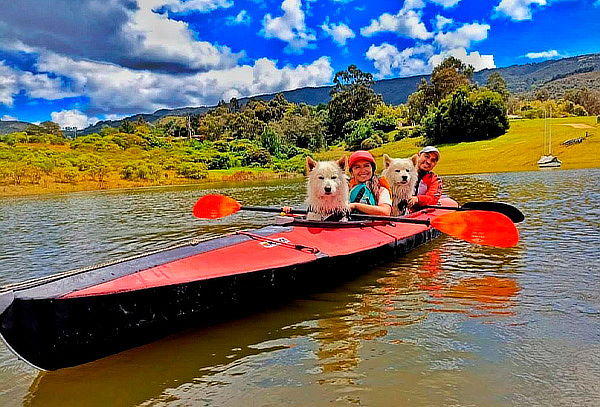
<point x="368" y="193"/>
<point x="429" y="185"/>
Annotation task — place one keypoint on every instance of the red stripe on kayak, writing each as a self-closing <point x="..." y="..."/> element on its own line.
<point x="253" y="255"/>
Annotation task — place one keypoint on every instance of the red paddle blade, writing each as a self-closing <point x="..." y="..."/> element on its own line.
<point x="479" y="227"/>
<point x="215" y="206"/>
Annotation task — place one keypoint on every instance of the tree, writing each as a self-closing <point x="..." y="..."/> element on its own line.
<point x="127" y="127"/>
<point x="496" y="83"/>
<point x="466" y="116"/>
<point x="351" y="99"/>
<point x="450" y="75"/>
<point x="588" y="99"/>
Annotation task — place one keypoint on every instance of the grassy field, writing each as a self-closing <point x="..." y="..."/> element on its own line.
<point x="517" y="150"/>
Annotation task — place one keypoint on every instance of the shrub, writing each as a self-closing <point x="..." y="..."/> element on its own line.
<point x="372" y="142"/>
<point x="140" y="170"/>
<point x="193" y="170"/>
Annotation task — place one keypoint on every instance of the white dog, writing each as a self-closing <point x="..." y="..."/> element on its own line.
<point x="401" y="173"/>
<point x="327" y="190"/>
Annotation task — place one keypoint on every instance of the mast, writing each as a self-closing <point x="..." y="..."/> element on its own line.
<point x="550" y="134"/>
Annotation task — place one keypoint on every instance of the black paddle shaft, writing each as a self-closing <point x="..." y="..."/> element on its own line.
<point x="513" y="213"/>
<point x="272" y="209"/>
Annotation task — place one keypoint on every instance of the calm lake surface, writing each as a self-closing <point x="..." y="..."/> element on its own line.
<point x="449" y="324"/>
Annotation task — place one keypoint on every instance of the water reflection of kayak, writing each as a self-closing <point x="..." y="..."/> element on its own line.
<point x="79" y="316"/>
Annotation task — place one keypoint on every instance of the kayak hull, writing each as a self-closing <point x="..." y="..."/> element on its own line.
<point x="83" y="317"/>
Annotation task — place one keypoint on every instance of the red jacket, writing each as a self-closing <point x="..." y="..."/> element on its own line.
<point x="429" y="188"/>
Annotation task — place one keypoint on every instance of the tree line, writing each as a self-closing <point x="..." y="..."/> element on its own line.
<point x="278" y="134"/>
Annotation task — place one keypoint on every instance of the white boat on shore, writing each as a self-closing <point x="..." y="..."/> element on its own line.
<point x="548" y="160"/>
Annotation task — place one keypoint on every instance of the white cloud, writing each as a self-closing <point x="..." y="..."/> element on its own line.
<point x="202" y="6"/>
<point x="388" y="60"/>
<point x="40" y="85"/>
<point x="242" y="18"/>
<point x="441" y="22"/>
<point x="8" y="118"/>
<point x="137" y="35"/>
<point x="290" y="27"/>
<point x="446" y="3"/>
<point x="463" y="36"/>
<point x="407" y="23"/>
<point x="73" y="118"/>
<point x="165" y="41"/>
<point x="474" y="58"/>
<point x="551" y="53"/>
<point x="114" y="89"/>
<point x="339" y="32"/>
<point x="518" y="10"/>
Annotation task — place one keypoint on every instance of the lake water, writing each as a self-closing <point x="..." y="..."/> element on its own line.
<point x="449" y="324"/>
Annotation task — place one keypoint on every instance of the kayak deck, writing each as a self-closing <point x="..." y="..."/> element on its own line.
<point x="103" y="310"/>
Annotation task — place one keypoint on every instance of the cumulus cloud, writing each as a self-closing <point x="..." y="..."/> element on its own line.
<point x="551" y="53"/>
<point x="441" y="22"/>
<point x="35" y="85"/>
<point x="201" y="6"/>
<point x="406" y="23"/>
<point x="446" y="3"/>
<point x="474" y="58"/>
<point x="463" y="36"/>
<point x="339" y="32"/>
<point x="290" y="27"/>
<point x="134" y="34"/>
<point x="114" y="89"/>
<point x="388" y="60"/>
<point x="518" y="10"/>
<point x="242" y="18"/>
<point x="73" y="118"/>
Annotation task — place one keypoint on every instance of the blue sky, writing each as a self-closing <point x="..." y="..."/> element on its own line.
<point x="79" y="61"/>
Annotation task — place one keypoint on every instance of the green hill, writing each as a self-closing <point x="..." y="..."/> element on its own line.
<point x="11" y="126"/>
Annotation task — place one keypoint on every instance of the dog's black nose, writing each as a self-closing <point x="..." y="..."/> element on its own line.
<point x="327" y="189"/>
<point x="404" y="177"/>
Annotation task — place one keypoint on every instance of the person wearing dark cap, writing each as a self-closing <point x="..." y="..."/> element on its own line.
<point x="368" y="193"/>
<point x="429" y="185"/>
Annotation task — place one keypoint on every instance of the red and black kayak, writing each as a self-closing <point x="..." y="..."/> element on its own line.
<point x="79" y="316"/>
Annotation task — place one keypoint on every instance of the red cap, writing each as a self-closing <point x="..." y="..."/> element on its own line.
<point x="361" y="155"/>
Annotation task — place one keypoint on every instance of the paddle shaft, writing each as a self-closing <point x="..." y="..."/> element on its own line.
<point x="354" y="215"/>
<point x="391" y="219"/>
<point x="271" y="209"/>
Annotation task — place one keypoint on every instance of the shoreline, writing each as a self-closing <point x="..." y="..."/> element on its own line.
<point x="17" y="191"/>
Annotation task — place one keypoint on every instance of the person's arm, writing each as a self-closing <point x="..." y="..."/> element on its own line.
<point x="383" y="208"/>
<point x="433" y="193"/>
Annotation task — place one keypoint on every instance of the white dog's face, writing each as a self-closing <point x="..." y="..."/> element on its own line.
<point x="326" y="178"/>
<point x="400" y="171"/>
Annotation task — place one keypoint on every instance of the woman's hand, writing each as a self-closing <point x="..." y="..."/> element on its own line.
<point x="412" y="201"/>
<point x="287" y="209"/>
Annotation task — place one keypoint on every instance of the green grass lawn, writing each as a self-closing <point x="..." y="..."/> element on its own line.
<point x="517" y="150"/>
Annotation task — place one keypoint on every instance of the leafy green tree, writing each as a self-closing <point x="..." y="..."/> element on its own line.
<point x="466" y="116"/>
<point x="496" y="83"/>
<point x="450" y="75"/>
<point x="352" y="98"/>
<point x="127" y="127"/>
<point x="587" y="98"/>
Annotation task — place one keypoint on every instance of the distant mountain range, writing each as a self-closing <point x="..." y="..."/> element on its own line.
<point x="553" y="75"/>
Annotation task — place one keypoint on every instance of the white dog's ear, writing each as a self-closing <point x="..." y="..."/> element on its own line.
<point x="310" y="164"/>
<point x="387" y="160"/>
<point x="415" y="159"/>
<point x="343" y="162"/>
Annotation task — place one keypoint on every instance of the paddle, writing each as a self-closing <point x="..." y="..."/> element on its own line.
<point x="513" y="213"/>
<point x="474" y="226"/>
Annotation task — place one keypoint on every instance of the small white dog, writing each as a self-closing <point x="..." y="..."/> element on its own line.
<point x="401" y="173"/>
<point x="327" y="190"/>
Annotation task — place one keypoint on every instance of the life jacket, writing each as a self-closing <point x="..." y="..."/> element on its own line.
<point x="359" y="192"/>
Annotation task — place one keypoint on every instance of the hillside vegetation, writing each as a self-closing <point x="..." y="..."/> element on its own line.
<point x="261" y="139"/>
